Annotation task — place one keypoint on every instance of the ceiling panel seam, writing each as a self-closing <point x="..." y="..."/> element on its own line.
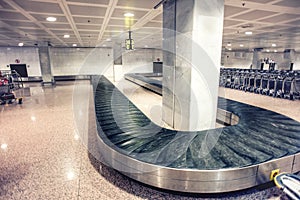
<point x="65" y="8"/>
<point x="110" y="9"/>
<point x="30" y="17"/>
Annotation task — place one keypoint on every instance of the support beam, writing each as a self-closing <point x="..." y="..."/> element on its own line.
<point x="109" y="11"/>
<point x="146" y="18"/>
<point x="32" y="19"/>
<point x="65" y="8"/>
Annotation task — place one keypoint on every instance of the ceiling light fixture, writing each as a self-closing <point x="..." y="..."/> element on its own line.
<point x="275" y="51"/>
<point x="74" y="45"/>
<point x="229" y="44"/>
<point x="248" y="32"/>
<point x="146" y="46"/>
<point x="51" y="19"/>
<point x="70" y="175"/>
<point x="128" y="14"/>
<point x="76" y="137"/>
<point x="4" y="146"/>
<point x="104" y="45"/>
<point x="229" y="49"/>
<point x="66" y="36"/>
<point x="274" y="45"/>
<point x="268" y="50"/>
<point x="241" y="45"/>
<point x="108" y="39"/>
<point x="21" y="44"/>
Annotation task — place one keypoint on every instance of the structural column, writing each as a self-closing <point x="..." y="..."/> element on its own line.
<point x="118" y="61"/>
<point x="289" y="58"/>
<point x="117" y="51"/>
<point x="192" y="57"/>
<point x="45" y="63"/>
<point x="256" y="61"/>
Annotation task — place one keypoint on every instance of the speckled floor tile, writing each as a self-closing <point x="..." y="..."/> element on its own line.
<point x="43" y="158"/>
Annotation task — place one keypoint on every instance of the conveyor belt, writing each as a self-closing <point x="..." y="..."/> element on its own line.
<point x="217" y="160"/>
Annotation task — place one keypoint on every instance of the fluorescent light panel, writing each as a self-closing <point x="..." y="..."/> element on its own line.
<point x="51" y="19"/>
<point x="128" y="14"/>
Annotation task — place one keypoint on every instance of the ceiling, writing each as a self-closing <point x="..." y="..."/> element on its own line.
<point x="93" y="23"/>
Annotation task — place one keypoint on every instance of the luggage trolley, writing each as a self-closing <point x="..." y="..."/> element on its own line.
<point x="289" y="184"/>
<point x="296" y="86"/>
<point x="8" y="85"/>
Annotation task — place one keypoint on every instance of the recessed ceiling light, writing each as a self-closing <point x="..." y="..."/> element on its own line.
<point x="229" y="49"/>
<point x="274" y="45"/>
<point x="275" y="51"/>
<point x="108" y="39"/>
<point x="104" y="45"/>
<point x="268" y="50"/>
<point x="229" y="44"/>
<point x="74" y="45"/>
<point x="70" y="175"/>
<point x="128" y="14"/>
<point x="66" y="36"/>
<point x="76" y="137"/>
<point x="20" y="44"/>
<point x="51" y="19"/>
<point x="241" y="45"/>
<point x="4" y="146"/>
<point x="146" y="46"/>
<point x="248" y="32"/>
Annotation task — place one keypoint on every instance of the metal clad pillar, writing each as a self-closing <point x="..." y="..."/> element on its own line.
<point x="255" y="60"/>
<point x="118" y="61"/>
<point x="117" y="53"/>
<point x="289" y="58"/>
<point x="192" y="56"/>
<point x="169" y="56"/>
<point x="45" y="63"/>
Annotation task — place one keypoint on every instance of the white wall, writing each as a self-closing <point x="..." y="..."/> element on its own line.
<point x="64" y="61"/>
<point x="297" y="62"/>
<point x="26" y="55"/>
<point x="140" y="60"/>
<point x="80" y="61"/>
<point x="244" y="59"/>
<point x="237" y="59"/>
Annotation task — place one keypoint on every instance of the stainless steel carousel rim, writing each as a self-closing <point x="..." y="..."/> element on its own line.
<point x="196" y="180"/>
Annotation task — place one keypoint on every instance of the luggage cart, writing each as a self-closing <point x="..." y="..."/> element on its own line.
<point x="289" y="184"/>
<point x="7" y="87"/>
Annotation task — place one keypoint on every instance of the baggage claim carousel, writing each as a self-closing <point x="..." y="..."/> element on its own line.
<point x="257" y="143"/>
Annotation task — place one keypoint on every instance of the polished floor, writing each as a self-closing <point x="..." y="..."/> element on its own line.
<point x="42" y="155"/>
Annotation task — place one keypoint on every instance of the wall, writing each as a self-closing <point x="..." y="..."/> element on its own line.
<point x="80" y="61"/>
<point x="64" y="61"/>
<point x="297" y="62"/>
<point x="26" y="55"/>
<point x="244" y="59"/>
<point x="237" y="59"/>
<point x="140" y="60"/>
<point x="282" y="63"/>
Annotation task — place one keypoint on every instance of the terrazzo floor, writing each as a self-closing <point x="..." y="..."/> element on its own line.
<point x="43" y="157"/>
